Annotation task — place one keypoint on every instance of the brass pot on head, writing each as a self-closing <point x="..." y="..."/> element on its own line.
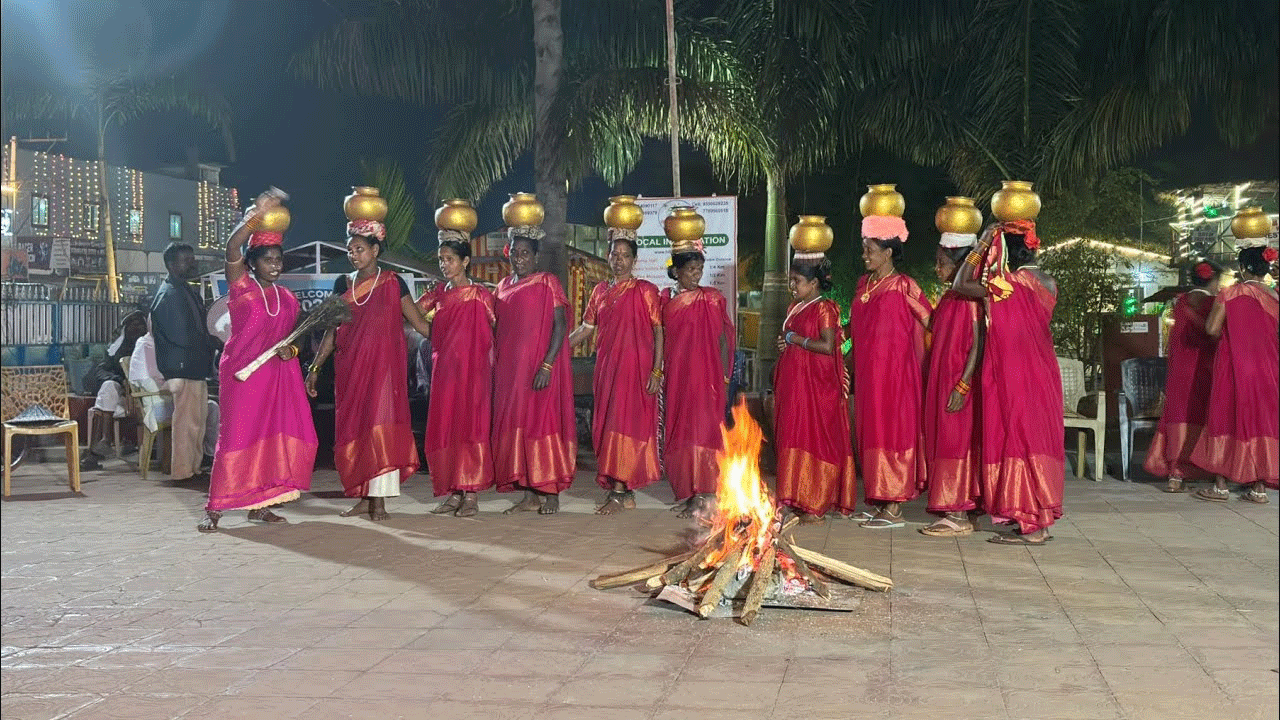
<point x="1015" y="200"/>
<point x="882" y="200"/>
<point x="684" y="225"/>
<point x="274" y="219"/>
<point x="811" y="234"/>
<point x="456" y="214"/>
<point x="523" y="209"/>
<point x="958" y="216"/>
<point x="1249" y="223"/>
<point x="623" y="213"/>
<point x="364" y="203"/>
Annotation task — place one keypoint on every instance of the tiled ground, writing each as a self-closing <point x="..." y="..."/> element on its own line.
<point x="1146" y="605"/>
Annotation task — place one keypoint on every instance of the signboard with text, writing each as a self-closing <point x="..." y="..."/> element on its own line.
<point x="720" y="243"/>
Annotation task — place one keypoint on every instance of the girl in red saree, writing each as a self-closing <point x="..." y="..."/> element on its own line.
<point x="1239" y="443"/>
<point x="698" y="348"/>
<point x="951" y="446"/>
<point x="628" y="376"/>
<point x="890" y="314"/>
<point x="1021" y="410"/>
<point x="811" y="411"/>
<point x="1187" y="384"/>
<point x="535" y="441"/>
<point x="459" y="415"/>
<point x="266" y="440"/>
<point x="373" y="448"/>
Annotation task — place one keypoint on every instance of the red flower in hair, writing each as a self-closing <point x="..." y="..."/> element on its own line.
<point x="506" y="251"/>
<point x="1204" y="271"/>
<point x="1270" y="254"/>
<point x="1031" y="241"/>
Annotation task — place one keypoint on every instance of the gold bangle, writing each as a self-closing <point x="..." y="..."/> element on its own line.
<point x="974" y="259"/>
<point x="547" y="366"/>
<point x="253" y="223"/>
<point x="657" y="372"/>
<point x="294" y="351"/>
<point x="962" y="387"/>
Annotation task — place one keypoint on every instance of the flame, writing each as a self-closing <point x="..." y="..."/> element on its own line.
<point x="745" y="510"/>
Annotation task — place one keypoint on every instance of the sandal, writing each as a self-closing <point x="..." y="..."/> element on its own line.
<point x="884" y="522"/>
<point x="860" y="517"/>
<point x="1212" y="494"/>
<point x="448" y="507"/>
<point x="1176" y="485"/>
<point x="1254" y="496"/>
<point x="1003" y="539"/>
<point x="470" y="506"/>
<point x="265" y="515"/>
<point x="947" y="527"/>
<point x="210" y="522"/>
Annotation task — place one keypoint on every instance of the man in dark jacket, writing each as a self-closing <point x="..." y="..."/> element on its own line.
<point x="184" y="356"/>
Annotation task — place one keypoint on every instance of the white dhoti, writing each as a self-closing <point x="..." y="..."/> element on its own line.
<point x="385" y="485"/>
<point x="110" y="399"/>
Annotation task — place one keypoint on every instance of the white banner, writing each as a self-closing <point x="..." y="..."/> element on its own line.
<point x="720" y="243"/>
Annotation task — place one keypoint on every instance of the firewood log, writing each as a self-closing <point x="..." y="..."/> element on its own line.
<point x="760" y="580"/>
<point x="843" y="571"/>
<point x="608" y="582"/>
<point x="715" y="593"/>
<point x="681" y="571"/>
<point x="815" y="583"/>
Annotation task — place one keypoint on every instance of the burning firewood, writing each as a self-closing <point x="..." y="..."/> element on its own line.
<point x="748" y="559"/>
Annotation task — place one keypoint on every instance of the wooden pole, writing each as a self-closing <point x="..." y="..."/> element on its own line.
<point x="673" y="98"/>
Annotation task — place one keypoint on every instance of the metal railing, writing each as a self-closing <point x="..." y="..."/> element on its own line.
<point x="45" y="322"/>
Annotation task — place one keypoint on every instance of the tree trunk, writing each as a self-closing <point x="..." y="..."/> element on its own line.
<point x="104" y="216"/>
<point x="549" y="183"/>
<point x="775" y="293"/>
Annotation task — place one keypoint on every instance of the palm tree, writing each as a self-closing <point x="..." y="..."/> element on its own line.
<point x="402" y="208"/>
<point x="584" y="102"/>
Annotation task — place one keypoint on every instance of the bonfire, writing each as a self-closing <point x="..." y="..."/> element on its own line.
<point x="748" y="558"/>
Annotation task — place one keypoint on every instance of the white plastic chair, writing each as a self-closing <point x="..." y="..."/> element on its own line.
<point x="1072" y="393"/>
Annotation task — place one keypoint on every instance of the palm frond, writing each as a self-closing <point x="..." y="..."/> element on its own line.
<point x="402" y="212"/>
<point x="476" y="146"/>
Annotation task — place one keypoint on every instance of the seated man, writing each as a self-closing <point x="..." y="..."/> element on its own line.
<point x="106" y="381"/>
<point x="158" y="409"/>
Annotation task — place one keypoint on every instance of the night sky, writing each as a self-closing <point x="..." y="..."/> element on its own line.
<point x="310" y="142"/>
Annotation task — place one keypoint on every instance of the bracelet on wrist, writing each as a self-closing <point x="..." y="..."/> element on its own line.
<point x="962" y="387"/>
<point x="547" y="366"/>
<point x="805" y="344"/>
<point x="790" y="334"/>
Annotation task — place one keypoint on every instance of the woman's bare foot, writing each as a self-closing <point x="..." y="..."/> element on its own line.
<point x="360" y="508"/>
<point x="265" y="515"/>
<point x="629" y="499"/>
<point x="210" y="522"/>
<point x="550" y="504"/>
<point x="810" y="518"/>
<point x="613" y="504"/>
<point x="470" y="506"/>
<point x="378" y="509"/>
<point x="450" y="506"/>
<point x="528" y="503"/>
<point x="684" y="509"/>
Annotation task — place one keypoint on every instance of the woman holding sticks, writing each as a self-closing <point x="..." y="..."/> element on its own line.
<point x="266" y="440"/>
<point x="1021" y="398"/>
<point x="951" y="446"/>
<point x="811" y="411"/>
<point x="1187" y="383"/>
<point x="891" y="315"/>
<point x="628" y="375"/>
<point x="460" y="413"/>
<point x="1239" y="443"/>
<point x="534" y="440"/>
<point x="698" y="348"/>
<point x="373" y="450"/>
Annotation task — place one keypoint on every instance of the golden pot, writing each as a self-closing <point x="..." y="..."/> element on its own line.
<point x="684" y="225"/>
<point x="811" y="234"/>
<point x="275" y="219"/>
<point x="523" y="209"/>
<point x="958" y="216"/>
<point x="623" y="212"/>
<point x="1250" y="222"/>
<point x="882" y="200"/>
<point x="456" y="214"/>
<point x="1015" y="200"/>
<point x="364" y="203"/>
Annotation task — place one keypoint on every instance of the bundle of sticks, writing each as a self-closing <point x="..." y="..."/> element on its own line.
<point x="329" y="314"/>
<point x="712" y="571"/>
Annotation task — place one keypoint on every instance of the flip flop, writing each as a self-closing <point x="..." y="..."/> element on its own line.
<point x="1211" y="495"/>
<point x="1259" y="498"/>
<point x="860" y="516"/>
<point x="881" y="523"/>
<point x="1002" y="539"/>
<point x="946" y="527"/>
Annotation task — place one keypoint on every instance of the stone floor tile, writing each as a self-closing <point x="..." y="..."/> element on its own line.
<point x="138" y="707"/>
<point x="14" y="706"/>
<point x="252" y="708"/>
<point x="612" y="691"/>
<point x="355" y="660"/>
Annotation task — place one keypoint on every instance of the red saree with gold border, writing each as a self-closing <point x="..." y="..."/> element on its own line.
<point x="951" y="445"/>
<point x="1186" y="389"/>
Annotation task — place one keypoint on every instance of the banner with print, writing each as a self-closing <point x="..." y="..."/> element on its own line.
<point x="720" y="243"/>
<point x="311" y="290"/>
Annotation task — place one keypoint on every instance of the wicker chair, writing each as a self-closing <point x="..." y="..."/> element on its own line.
<point x="22" y="387"/>
<point x="1072" y="393"/>
<point x="1141" y="401"/>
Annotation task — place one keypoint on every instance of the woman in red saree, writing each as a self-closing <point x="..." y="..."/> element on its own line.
<point x="535" y="441"/>
<point x="951" y="446"/>
<point x="628" y="376"/>
<point x="1187" y="384"/>
<point x="459" y="416"/>
<point x="890" y="314"/>
<point x="811" y="411"/>
<point x="1239" y="443"/>
<point x="373" y="447"/>
<point x="266" y="440"/>
<point x="698" y="348"/>
<point x="1021" y="410"/>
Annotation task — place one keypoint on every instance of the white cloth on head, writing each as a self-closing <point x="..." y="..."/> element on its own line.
<point x="958" y="240"/>
<point x="114" y="347"/>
